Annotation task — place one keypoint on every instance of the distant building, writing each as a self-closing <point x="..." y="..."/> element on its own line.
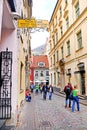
<point x="39" y="69"/>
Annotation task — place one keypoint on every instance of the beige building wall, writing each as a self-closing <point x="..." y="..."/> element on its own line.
<point x="68" y="48"/>
<point x="24" y="54"/>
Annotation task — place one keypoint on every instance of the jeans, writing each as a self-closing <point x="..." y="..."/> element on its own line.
<point x="50" y="95"/>
<point x="75" y="100"/>
<point x="44" y="95"/>
<point x="28" y="98"/>
<point x="68" y="100"/>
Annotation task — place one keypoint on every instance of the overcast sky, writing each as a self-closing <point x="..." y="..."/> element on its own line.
<point x="42" y="9"/>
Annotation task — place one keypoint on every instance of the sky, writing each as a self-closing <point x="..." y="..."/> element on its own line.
<point x="42" y="9"/>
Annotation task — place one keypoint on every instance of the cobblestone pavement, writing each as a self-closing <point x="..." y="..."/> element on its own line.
<point x="51" y="115"/>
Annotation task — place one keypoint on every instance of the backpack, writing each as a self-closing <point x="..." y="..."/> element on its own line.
<point x="68" y="90"/>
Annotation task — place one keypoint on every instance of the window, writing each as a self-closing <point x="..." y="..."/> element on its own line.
<point x="41" y="74"/>
<point x="36" y="73"/>
<point x="55" y="78"/>
<point x="61" y="28"/>
<point x="67" y="22"/>
<point x="51" y="61"/>
<point x="79" y="39"/>
<point x="66" y="1"/>
<point x="41" y="64"/>
<point x="21" y="75"/>
<point x="29" y="2"/>
<point x="56" y="36"/>
<point x="56" y="19"/>
<point x="69" y="71"/>
<point x="57" y="55"/>
<point x="47" y="73"/>
<point x="68" y="48"/>
<point x="62" y="53"/>
<point x="54" y="41"/>
<point x="77" y="10"/>
<point x="60" y="11"/>
<point x="54" y="58"/>
<point x="50" y="46"/>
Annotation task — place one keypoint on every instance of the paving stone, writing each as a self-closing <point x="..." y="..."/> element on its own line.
<point x="51" y="115"/>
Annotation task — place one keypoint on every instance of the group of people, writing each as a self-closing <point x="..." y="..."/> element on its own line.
<point x="47" y="89"/>
<point x="42" y="88"/>
<point x="71" y="96"/>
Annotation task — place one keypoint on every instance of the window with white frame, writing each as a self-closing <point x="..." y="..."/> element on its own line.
<point x="67" y="22"/>
<point x="60" y="11"/>
<point x="68" y="47"/>
<point x="56" y="36"/>
<point x="47" y="73"/>
<point x="79" y="39"/>
<point x="77" y="10"/>
<point x="56" y="20"/>
<point x="36" y="73"/>
<point x="61" y="29"/>
<point x="41" y="74"/>
<point x="41" y="64"/>
<point x="51" y="61"/>
<point x="54" y="59"/>
<point x="62" y="52"/>
<point x="57" y="55"/>
<point x="66" y="1"/>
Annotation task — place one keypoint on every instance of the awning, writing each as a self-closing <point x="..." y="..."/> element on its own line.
<point x="37" y="81"/>
<point x="78" y="72"/>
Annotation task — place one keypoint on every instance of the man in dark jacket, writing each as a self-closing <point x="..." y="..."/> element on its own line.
<point x="44" y="90"/>
<point x="67" y="89"/>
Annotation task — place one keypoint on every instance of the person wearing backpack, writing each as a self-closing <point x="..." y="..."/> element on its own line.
<point x="67" y="89"/>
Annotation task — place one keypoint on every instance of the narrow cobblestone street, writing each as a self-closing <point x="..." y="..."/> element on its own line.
<point x="51" y="115"/>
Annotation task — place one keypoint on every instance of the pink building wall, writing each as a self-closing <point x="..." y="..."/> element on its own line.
<point x="9" y="40"/>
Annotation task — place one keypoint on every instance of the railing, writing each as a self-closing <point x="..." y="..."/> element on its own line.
<point x="5" y="84"/>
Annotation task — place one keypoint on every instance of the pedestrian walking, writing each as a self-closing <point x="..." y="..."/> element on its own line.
<point x="32" y="87"/>
<point x="36" y="88"/>
<point x="68" y="89"/>
<point x="50" y="92"/>
<point x="44" y="90"/>
<point x="75" y="93"/>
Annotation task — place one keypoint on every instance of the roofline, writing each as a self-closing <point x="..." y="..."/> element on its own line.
<point x="54" y="11"/>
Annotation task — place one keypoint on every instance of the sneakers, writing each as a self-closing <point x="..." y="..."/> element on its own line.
<point x="65" y="106"/>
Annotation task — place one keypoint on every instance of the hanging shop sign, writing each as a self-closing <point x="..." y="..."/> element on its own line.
<point x="32" y="23"/>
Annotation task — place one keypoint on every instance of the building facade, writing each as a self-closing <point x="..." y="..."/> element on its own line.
<point x="39" y="69"/>
<point x="68" y="48"/>
<point x="16" y="43"/>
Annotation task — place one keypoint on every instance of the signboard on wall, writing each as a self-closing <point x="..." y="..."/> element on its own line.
<point x="32" y="23"/>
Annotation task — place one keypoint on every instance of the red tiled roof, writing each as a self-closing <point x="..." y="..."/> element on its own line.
<point x="40" y="58"/>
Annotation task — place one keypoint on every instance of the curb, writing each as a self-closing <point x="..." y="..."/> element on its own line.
<point x="81" y="100"/>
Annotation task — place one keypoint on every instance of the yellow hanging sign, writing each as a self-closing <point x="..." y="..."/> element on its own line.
<point x="27" y="23"/>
